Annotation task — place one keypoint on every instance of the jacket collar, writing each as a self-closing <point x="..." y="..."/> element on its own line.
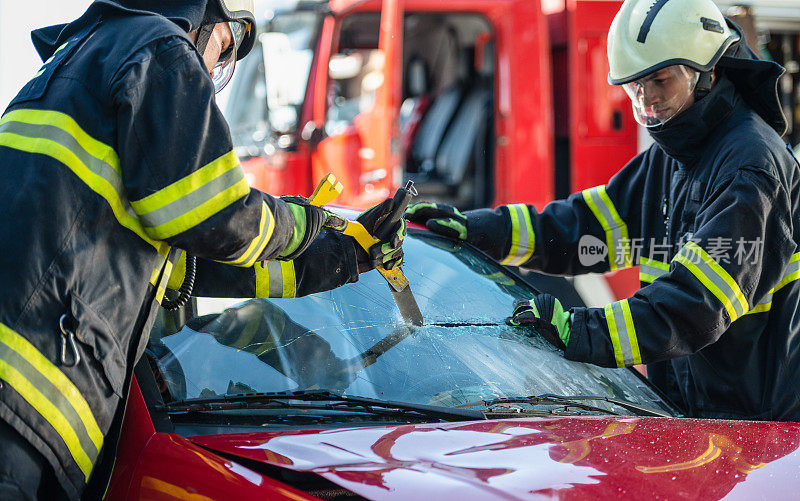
<point x="684" y="137"/>
<point x="187" y="14"/>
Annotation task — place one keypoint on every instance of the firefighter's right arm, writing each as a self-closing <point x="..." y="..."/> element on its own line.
<point x="180" y="173"/>
<point x="604" y="217"/>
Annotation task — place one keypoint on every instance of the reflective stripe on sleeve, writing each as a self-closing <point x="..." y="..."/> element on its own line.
<point x="58" y="136"/>
<point x="791" y="274"/>
<point x="523" y="239"/>
<point x="650" y="269"/>
<point x="191" y="200"/>
<point x="178" y="275"/>
<point x="53" y="395"/>
<point x="257" y="245"/>
<point x="623" y="333"/>
<point x="615" y="228"/>
<point x="275" y="279"/>
<point x="714" y="278"/>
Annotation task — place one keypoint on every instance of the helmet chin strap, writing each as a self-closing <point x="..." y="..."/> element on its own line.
<point x="704" y="83"/>
<point x="203" y="36"/>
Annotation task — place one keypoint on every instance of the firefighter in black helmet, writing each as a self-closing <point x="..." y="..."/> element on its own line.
<point x="115" y="163"/>
<point x="710" y="214"/>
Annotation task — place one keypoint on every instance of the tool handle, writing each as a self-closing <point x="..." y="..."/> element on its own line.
<point x="329" y="188"/>
<point x="326" y="192"/>
<point x="401" y="199"/>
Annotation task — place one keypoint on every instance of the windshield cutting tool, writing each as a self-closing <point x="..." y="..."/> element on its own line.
<point x="327" y="190"/>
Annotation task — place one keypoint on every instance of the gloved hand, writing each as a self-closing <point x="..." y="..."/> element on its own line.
<point x="308" y="221"/>
<point x="439" y="218"/>
<point x="380" y="223"/>
<point x="489" y="230"/>
<point x="546" y="315"/>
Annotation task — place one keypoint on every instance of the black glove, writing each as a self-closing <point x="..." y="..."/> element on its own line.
<point x="546" y="315"/>
<point x="308" y="221"/>
<point x="486" y="229"/>
<point x="386" y="224"/>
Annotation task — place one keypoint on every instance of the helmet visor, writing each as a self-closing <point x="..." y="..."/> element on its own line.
<point x="662" y="95"/>
<point x="222" y="72"/>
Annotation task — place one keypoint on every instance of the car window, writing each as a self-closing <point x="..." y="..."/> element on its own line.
<point x="353" y="340"/>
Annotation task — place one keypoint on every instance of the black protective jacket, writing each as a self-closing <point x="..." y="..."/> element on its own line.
<point x="114" y="159"/>
<point x="710" y="213"/>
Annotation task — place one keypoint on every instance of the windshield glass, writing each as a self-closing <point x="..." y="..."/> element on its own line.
<point x="353" y="340"/>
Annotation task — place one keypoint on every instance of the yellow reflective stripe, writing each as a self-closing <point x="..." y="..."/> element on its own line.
<point x="760" y="308"/>
<point x="650" y="269"/>
<point x="622" y="333"/>
<point x="191" y="200"/>
<point x="275" y="279"/>
<point x="614" y="335"/>
<point x="262" y="279"/>
<point x="289" y="279"/>
<point x="614" y="227"/>
<point x="653" y="263"/>
<point x="50" y="413"/>
<point x="156" y="273"/>
<point x="47" y="132"/>
<point x="791" y="274"/>
<point x="714" y="278"/>
<point x="523" y="239"/>
<point x="38" y="366"/>
<point x="65" y="122"/>
<point x="259" y="243"/>
<point x="708" y="284"/>
<point x="739" y="296"/>
<point x="178" y="274"/>
<point x="162" y="284"/>
<point x="631" y="330"/>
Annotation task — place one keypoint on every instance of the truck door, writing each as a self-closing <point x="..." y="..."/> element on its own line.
<point x="357" y="101"/>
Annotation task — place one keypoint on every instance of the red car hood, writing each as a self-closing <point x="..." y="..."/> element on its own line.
<point x="555" y="457"/>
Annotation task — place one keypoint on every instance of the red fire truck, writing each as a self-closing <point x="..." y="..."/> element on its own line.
<point x="481" y="102"/>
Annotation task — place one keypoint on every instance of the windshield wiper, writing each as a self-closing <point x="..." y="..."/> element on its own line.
<point x="575" y="401"/>
<point x="335" y="402"/>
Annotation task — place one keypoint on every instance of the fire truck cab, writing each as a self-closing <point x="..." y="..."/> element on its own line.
<point x="480" y="102"/>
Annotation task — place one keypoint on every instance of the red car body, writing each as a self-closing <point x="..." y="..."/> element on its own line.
<point x="554" y="457"/>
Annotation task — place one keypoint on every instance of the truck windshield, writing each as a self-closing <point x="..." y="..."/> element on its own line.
<point x="352" y="340"/>
<point x="270" y="83"/>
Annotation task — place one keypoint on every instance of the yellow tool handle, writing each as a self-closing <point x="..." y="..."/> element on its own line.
<point x="326" y="192"/>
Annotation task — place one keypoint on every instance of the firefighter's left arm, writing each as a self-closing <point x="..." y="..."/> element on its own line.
<point x="693" y="304"/>
<point x="329" y="262"/>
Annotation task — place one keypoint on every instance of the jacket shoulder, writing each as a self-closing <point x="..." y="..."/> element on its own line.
<point x="749" y="143"/>
<point x="121" y="42"/>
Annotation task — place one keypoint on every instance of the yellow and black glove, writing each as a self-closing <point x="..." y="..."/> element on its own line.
<point x="308" y="222"/>
<point x="547" y="317"/>
<point x="387" y="225"/>
<point x="487" y="229"/>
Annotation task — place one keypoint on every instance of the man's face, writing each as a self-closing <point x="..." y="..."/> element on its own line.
<point x="221" y="39"/>
<point x="662" y="95"/>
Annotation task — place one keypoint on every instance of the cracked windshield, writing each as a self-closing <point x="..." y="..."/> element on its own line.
<point x="353" y="340"/>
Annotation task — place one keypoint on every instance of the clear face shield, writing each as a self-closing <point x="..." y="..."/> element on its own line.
<point x="662" y="95"/>
<point x="223" y="71"/>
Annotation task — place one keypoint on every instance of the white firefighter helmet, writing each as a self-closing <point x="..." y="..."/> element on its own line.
<point x="242" y="11"/>
<point x="647" y="35"/>
<point x="240" y="18"/>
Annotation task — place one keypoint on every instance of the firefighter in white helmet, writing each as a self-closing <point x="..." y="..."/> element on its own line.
<point x="115" y="163"/>
<point x="710" y="214"/>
